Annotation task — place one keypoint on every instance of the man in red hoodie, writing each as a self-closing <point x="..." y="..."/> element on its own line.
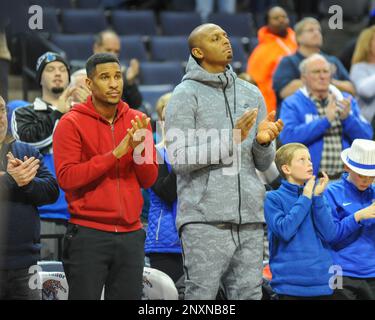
<point x="276" y="40"/>
<point x="104" y="155"/>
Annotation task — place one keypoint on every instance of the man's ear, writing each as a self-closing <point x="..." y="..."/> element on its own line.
<point x="285" y="169"/>
<point x="197" y="53"/>
<point x="89" y="83"/>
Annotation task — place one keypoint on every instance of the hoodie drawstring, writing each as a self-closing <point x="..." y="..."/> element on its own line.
<point x="227" y="108"/>
<point x="238" y="235"/>
<point x="225" y="97"/>
<point x="235" y="93"/>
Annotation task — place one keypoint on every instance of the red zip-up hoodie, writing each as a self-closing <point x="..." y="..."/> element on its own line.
<point x="102" y="192"/>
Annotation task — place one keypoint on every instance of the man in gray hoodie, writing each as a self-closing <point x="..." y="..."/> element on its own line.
<point x="217" y="135"/>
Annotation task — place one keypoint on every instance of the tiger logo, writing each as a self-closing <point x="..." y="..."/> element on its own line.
<point x="51" y="288"/>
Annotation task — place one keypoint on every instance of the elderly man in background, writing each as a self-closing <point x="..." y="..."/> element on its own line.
<point x="322" y="117"/>
<point x="287" y="80"/>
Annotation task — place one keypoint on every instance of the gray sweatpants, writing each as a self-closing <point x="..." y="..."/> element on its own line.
<point x="213" y="256"/>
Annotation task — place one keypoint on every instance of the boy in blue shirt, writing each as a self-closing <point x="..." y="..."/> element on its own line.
<point x="353" y="198"/>
<point x="300" y="226"/>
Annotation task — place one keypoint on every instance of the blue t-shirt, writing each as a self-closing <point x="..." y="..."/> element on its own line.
<point x="288" y="70"/>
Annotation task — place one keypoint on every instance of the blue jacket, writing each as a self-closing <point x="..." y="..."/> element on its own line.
<point x="299" y="258"/>
<point x="288" y="70"/>
<point x="353" y="252"/>
<point x="303" y="124"/>
<point x="58" y="209"/>
<point x="20" y="238"/>
<point x="162" y="235"/>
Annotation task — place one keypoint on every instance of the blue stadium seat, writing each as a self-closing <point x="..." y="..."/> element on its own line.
<point x="151" y="94"/>
<point x="179" y="23"/>
<point x="132" y="47"/>
<point x="236" y="25"/>
<point x="83" y="21"/>
<point x="169" y="48"/>
<point x="50" y="21"/>
<point x="155" y="73"/>
<point x="56" y="4"/>
<point x="240" y="56"/>
<point x="87" y="4"/>
<point x="134" y="22"/>
<point x="76" y="46"/>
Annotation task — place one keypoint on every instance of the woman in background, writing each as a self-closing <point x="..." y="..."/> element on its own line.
<point x="362" y="73"/>
<point x="162" y="244"/>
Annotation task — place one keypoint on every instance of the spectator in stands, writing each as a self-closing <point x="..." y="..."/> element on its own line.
<point x="220" y="244"/>
<point x="276" y="40"/>
<point x="322" y="117"/>
<point x="347" y="51"/>
<point x="78" y="80"/>
<point x="206" y="7"/>
<point x="362" y="72"/>
<point x="25" y="183"/>
<point x="34" y="124"/>
<point x="4" y="64"/>
<point x="298" y="221"/>
<point x="162" y="241"/>
<point x="101" y="163"/>
<point x="109" y="42"/>
<point x="352" y="201"/>
<point x="287" y="78"/>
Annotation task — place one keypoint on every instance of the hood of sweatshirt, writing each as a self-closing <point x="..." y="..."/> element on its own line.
<point x="89" y="109"/>
<point x="218" y="80"/>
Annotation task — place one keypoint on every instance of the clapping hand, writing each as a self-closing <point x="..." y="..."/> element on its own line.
<point x="322" y="184"/>
<point x="244" y="124"/>
<point x="23" y="172"/>
<point x="137" y="133"/>
<point x="268" y="129"/>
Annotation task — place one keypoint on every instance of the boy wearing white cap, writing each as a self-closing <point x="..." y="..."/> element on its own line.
<point x="354" y="197"/>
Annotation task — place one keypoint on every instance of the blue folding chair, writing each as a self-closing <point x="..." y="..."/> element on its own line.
<point x="155" y="73"/>
<point x="134" y="22"/>
<point x="83" y="21"/>
<point x="169" y="48"/>
<point x="179" y="23"/>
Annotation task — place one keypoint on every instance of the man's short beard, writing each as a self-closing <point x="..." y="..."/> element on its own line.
<point x="283" y="33"/>
<point x="57" y="90"/>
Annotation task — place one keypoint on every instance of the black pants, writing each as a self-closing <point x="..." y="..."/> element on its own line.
<point x="93" y="259"/>
<point x="170" y="263"/>
<point x="16" y="285"/>
<point x="356" y="289"/>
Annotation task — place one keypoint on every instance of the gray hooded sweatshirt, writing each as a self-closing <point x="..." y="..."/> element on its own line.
<point x="216" y="181"/>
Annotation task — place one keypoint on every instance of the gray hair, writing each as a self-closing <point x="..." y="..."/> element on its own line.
<point x="300" y="25"/>
<point x="80" y="72"/>
<point x="316" y="56"/>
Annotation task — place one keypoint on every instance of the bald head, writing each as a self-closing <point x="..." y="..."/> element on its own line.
<point x="311" y="61"/>
<point x="210" y="46"/>
<point x="198" y="33"/>
<point x="107" y="41"/>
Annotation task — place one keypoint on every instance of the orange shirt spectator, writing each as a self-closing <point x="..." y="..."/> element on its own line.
<point x="276" y="40"/>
